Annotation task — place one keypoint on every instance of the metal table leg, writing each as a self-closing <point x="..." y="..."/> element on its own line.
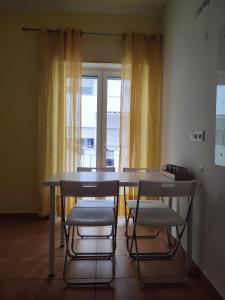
<point x="62" y="238"/>
<point x="52" y="232"/>
<point x="189" y="241"/>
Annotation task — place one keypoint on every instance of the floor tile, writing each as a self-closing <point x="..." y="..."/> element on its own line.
<point x="120" y="232"/>
<point x="163" y="270"/>
<point x="6" y="265"/>
<point x="59" y="290"/>
<point x="40" y="247"/>
<point x="24" y="267"/>
<point x="199" y="289"/>
<point x="13" y="248"/>
<point x="143" y="230"/>
<point x="121" y="247"/>
<point x="18" y="233"/>
<point x="151" y="245"/>
<point x="85" y="245"/>
<point x="184" y="291"/>
<point x="76" y="268"/>
<point x="9" y="223"/>
<point x="121" y="289"/>
<point x="43" y="232"/>
<point x="23" y="289"/>
<point x="29" y="268"/>
<point x="104" y="269"/>
<point x="24" y="223"/>
<point x="105" y="245"/>
<point x="124" y="267"/>
<point x="170" y="293"/>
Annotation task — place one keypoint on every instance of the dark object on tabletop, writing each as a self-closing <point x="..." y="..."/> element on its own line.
<point x="176" y="172"/>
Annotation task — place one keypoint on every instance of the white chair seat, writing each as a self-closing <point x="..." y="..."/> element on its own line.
<point x="95" y="203"/>
<point x="132" y="204"/>
<point x="86" y="216"/>
<point x="158" y="217"/>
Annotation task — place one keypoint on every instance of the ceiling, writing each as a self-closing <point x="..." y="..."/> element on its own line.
<point x="128" y="7"/>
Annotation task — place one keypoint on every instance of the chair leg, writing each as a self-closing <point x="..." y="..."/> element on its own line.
<point x="132" y="241"/>
<point x="168" y="234"/>
<point x="85" y="255"/>
<point x="126" y="217"/>
<point x="128" y="237"/>
<point x="93" y="235"/>
<point x="145" y="254"/>
<point x="139" y="257"/>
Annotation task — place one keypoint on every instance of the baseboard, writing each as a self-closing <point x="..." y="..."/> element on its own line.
<point x="196" y="271"/>
<point x="205" y="281"/>
<point x="19" y="216"/>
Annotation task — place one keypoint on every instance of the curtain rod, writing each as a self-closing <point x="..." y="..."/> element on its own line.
<point x="88" y="33"/>
<point x="84" y="32"/>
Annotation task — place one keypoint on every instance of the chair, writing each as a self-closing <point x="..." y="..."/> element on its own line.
<point x="90" y="169"/>
<point x="131" y="204"/>
<point x="94" y="202"/>
<point x="163" y="217"/>
<point x="88" y="216"/>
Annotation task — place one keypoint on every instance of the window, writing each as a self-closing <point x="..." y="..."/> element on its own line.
<point x="87" y="142"/>
<point x="109" y="162"/>
<point x="88" y="86"/>
<point x="100" y="115"/>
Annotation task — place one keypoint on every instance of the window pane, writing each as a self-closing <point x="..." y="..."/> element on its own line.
<point x="113" y="122"/>
<point x="89" y="121"/>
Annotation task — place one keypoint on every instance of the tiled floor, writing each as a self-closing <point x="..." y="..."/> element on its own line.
<point x="24" y="269"/>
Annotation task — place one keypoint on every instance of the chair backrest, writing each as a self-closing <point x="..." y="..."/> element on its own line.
<point x="87" y="169"/>
<point x="166" y="189"/>
<point x="89" y="189"/>
<point x="140" y="170"/>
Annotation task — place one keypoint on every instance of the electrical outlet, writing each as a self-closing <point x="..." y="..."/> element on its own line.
<point x="198" y="136"/>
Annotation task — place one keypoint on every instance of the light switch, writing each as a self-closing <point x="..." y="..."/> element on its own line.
<point x="198" y="136"/>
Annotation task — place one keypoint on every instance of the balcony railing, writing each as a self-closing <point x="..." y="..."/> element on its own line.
<point x="88" y="158"/>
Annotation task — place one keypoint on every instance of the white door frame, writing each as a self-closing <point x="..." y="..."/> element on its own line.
<point x="102" y="72"/>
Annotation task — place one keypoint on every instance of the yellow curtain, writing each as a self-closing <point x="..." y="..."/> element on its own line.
<point x="140" y="120"/>
<point x="140" y="116"/>
<point x="59" y="116"/>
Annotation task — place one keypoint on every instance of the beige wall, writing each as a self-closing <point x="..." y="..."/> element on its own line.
<point x="190" y="61"/>
<point x="19" y="75"/>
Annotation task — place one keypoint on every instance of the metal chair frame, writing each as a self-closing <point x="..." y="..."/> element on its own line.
<point x="178" y="189"/>
<point x="88" y="189"/>
<point x="127" y="214"/>
<point x="90" y="169"/>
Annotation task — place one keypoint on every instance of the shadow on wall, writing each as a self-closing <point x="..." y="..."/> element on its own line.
<point x="198" y="223"/>
<point x="206" y="223"/>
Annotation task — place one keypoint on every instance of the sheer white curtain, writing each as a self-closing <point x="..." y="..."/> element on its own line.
<point x="59" y="114"/>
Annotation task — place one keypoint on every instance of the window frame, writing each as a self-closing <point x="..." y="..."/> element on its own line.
<point x="102" y="71"/>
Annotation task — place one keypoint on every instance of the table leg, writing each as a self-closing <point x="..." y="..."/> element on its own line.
<point x="62" y="239"/>
<point x="52" y="232"/>
<point x="170" y="233"/>
<point x="189" y="241"/>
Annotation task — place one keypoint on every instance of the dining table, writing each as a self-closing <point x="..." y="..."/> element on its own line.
<point x="128" y="179"/>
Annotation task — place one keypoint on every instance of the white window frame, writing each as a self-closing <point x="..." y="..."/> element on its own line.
<point x="102" y="71"/>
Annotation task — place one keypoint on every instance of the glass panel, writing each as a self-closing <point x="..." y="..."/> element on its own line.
<point x="113" y="122"/>
<point x="220" y="104"/>
<point x="89" y="121"/>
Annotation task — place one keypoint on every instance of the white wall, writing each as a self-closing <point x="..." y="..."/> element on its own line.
<point x="190" y="62"/>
